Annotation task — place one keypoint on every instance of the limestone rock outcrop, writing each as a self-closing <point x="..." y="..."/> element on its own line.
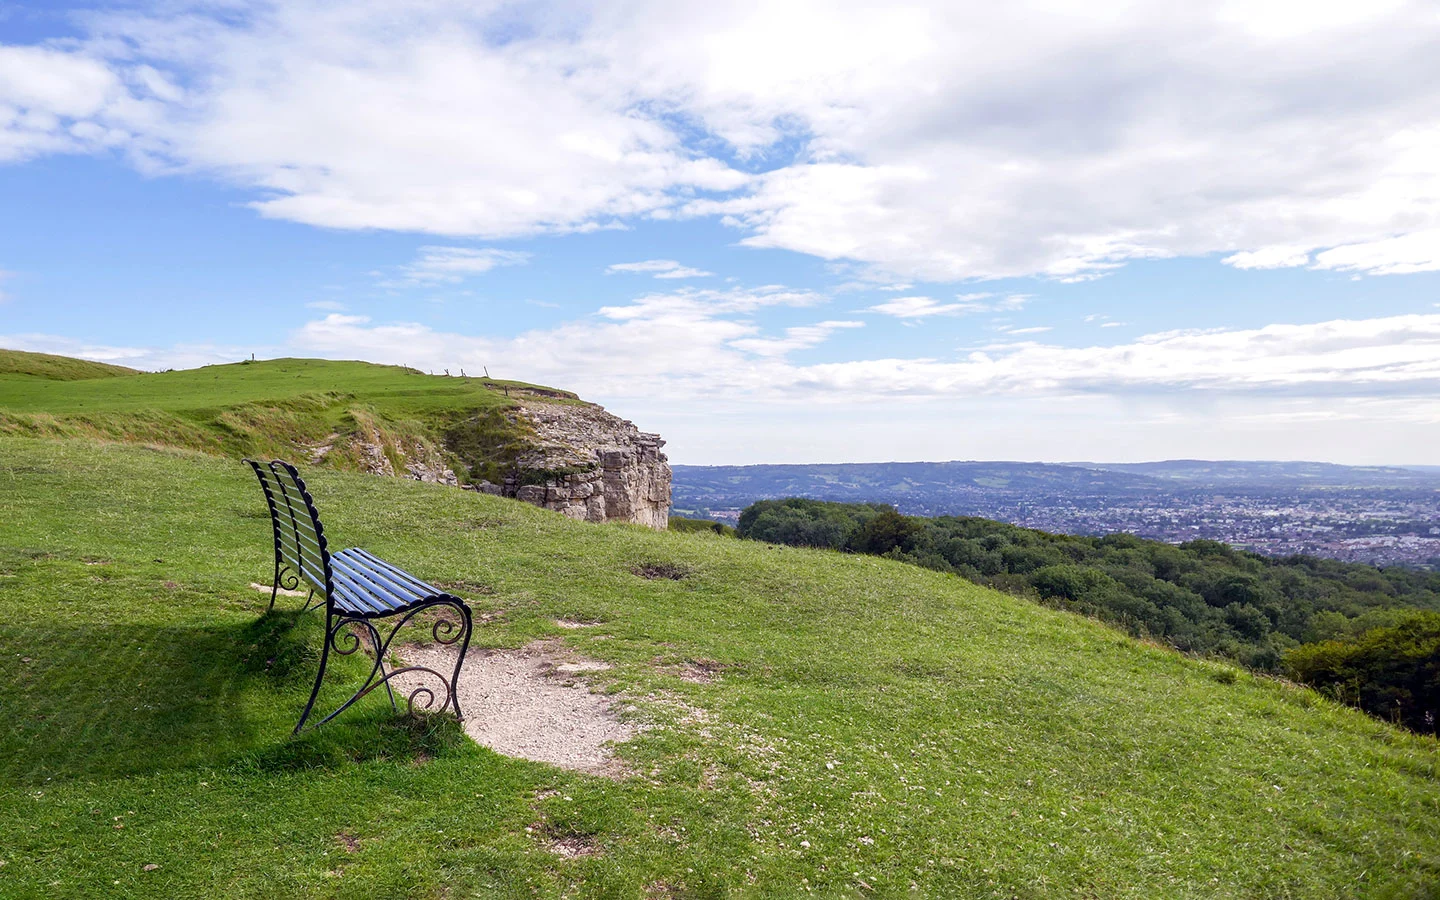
<point x="589" y="464"/>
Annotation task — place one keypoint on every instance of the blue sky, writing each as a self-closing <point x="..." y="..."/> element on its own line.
<point x="1052" y="231"/>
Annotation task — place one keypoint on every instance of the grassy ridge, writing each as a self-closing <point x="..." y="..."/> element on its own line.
<point x="20" y="364"/>
<point x="875" y="729"/>
<point x="282" y="407"/>
<point x="391" y="390"/>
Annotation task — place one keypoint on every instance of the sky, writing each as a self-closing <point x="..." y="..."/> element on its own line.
<point x="770" y="231"/>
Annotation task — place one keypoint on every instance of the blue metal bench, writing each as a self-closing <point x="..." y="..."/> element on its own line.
<point x="357" y="589"/>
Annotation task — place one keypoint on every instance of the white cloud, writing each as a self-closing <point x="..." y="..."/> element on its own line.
<point x="55" y="101"/>
<point x="660" y="268"/>
<point x="676" y="343"/>
<point x="964" y="304"/>
<point x="938" y="141"/>
<point x="699" y="344"/>
<point x="1034" y="329"/>
<point x="693" y="343"/>
<point x="923" y="307"/>
<point x="801" y="337"/>
<point x="1402" y="255"/>
<point x="451" y="265"/>
<point x="1269" y="258"/>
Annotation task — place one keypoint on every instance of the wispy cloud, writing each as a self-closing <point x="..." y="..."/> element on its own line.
<point x="691" y="345"/>
<point x="1269" y="258"/>
<point x="801" y="337"/>
<point x="659" y="268"/>
<point x="1402" y="255"/>
<point x="327" y="305"/>
<point x="1103" y="321"/>
<point x="964" y="304"/>
<point x="1034" y="329"/>
<point x="452" y="265"/>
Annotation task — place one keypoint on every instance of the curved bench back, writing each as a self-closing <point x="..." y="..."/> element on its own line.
<point x="299" y="536"/>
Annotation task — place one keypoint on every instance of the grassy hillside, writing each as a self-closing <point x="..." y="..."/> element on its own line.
<point x="1201" y="596"/>
<point x="283" y="407"/>
<point x="875" y="729"/>
<point x="18" y="364"/>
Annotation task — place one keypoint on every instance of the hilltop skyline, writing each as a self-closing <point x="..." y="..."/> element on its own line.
<point x="769" y="232"/>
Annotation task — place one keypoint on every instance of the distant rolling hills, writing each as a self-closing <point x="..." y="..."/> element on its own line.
<point x="1218" y="473"/>
<point x="932" y="482"/>
<point x="1383" y="515"/>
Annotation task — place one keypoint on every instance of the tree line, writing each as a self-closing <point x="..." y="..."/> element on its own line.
<point x="1366" y="636"/>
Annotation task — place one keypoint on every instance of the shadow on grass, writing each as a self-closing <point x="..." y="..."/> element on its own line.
<point x="364" y="735"/>
<point x="108" y="701"/>
<point x="103" y="701"/>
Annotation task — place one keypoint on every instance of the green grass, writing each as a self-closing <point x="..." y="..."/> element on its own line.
<point x="17" y="364"/>
<point x="282" y="407"/>
<point x="876" y="729"/>
<point x="392" y="390"/>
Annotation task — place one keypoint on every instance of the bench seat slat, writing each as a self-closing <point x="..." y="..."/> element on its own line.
<point x="383" y="594"/>
<point x="354" y="598"/>
<point x="363" y="580"/>
<point x="396" y="572"/>
<point x="379" y="583"/>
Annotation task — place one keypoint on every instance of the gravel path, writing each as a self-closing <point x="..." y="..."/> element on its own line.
<point x="531" y="703"/>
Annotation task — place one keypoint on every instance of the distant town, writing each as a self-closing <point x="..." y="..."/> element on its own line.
<point x="1383" y="516"/>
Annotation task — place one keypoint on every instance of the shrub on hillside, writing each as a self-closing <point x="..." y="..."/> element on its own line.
<point x="1392" y="672"/>
<point x="692" y="526"/>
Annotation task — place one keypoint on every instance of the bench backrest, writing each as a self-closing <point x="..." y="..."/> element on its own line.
<point x="299" y="536"/>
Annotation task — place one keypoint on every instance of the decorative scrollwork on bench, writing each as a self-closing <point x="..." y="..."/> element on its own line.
<point x="287" y="579"/>
<point x="349" y="634"/>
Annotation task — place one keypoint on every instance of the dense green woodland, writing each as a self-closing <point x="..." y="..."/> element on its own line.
<point x="1370" y="637"/>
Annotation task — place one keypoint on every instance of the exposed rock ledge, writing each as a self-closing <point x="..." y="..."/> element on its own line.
<point x="591" y="465"/>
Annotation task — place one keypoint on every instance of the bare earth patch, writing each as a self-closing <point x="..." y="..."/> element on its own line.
<point x="531" y="703"/>
<point x="660" y="571"/>
<point x="570" y="624"/>
<point x="700" y="671"/>
<point x="572" y="846"/>
<point x="265" y="589"/>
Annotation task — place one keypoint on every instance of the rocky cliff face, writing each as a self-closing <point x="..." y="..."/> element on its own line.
<point x="591" y="465"/>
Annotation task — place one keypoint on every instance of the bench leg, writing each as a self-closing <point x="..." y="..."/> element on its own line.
<point x="460" y="661"/>
<point x="340" y="635"/>
<point x="319" y="677"/>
